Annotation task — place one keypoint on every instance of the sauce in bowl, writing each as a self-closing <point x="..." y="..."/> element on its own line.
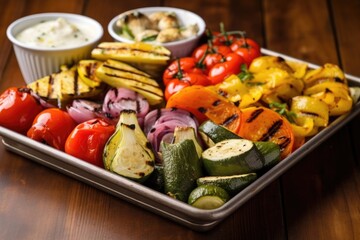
<point x="55" y="33"/>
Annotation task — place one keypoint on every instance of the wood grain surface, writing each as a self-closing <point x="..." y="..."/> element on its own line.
<point x="318" y="198"/>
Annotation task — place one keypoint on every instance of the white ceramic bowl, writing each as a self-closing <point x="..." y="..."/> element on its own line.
<point x="36" y="62"/>
<point x="179" y="48"/>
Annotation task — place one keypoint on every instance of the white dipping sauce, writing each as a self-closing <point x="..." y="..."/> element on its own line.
<point x="55" y="34"/>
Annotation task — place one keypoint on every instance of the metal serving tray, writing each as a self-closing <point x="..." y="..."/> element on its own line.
<point x="196" y="219"/>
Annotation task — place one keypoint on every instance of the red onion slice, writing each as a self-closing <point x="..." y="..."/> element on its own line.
<point x="83" y="110"/>
<point x="118" y="99"/>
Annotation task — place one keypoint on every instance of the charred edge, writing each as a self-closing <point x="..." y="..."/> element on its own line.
<point x="148" y="145"/>
<point x="337" y="79"/>
<point x="133" y="50"/>
<point x="150" y="163"/>
<point x="123" y="70"/>
<point x="327" y="90"/>
<point x="130" y="126"/>
<point x="223" y="93"/>
<point x="230" y="120"/>
<point x="128" y="111"/>
<point x="254" y="115"/>
<point x="272" y="130"/>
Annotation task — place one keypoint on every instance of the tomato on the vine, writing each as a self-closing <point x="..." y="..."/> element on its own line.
<point x="209" y="55"/>
<point x="88" y="139"/>
<point x="18" y="109"/>
<point x="52" y="126"/>
<point x="247" y="48"/>
<point x="231" y="64"/>
<point x="181" y="73"/>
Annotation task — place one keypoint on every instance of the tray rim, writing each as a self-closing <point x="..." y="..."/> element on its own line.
<point x="196" y="219"/>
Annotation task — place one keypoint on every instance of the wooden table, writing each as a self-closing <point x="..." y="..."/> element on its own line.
<point x="318" y="198"/>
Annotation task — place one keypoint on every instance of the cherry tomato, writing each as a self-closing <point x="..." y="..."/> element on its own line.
<point x="208" y="48"/>
<point x="188" y="79"/>
<point x="231" y="65"/>
<point x="18" y="109"/>
<point x="210" y="55"/>
<point x="178" y="67"/>
<point x="247" y="48"/>
<point x="52" y="126"/>
<point x="182" y="73"/>
<point x="88" y="139"/>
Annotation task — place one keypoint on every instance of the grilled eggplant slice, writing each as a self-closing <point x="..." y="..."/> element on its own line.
<point x="118" y="74"/>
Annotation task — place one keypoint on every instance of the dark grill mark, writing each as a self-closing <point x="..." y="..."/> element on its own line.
<point x="230" y="119"/>
<point x="148" y="145"/>
<point x="158" y="113"/>
<point x="50" y="85"/>
<point x="150" y="163"/>
<point x="254" y="115"/>
<point x="216" y="103"/>
<point x="76" y="85"/>
<point x="142" y="89"/>
<point x="310" y="113"/>
<point x="123" y="70"/>
<point x="202" y="110"/>
<point x="272" y="130"/>
<point x="284" y="144"/>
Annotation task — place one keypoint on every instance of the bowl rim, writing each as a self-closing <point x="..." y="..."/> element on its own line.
<point x="200" y="22"/>
<point x="50" y="16"/>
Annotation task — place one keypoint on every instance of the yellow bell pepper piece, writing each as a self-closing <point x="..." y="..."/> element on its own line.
<point x="305" y="106"/>
<point x="327" y="72"/>
<point x="238" y="92"/>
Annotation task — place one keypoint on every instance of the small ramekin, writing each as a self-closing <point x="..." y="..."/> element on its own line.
<point x="37" y="62"/>
<point x="180" y="48"/>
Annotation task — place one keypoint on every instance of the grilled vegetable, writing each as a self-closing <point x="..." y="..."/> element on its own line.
<point x="208" y="197"/>
<point x="60" y="88"/>
<point x="238" y="92"/>
<point x="231" y="157"/>
<point x="160" y="124"/>
<point x="207" y="105"/>
<point x="121" y="75"/>
<point x="232" y="184"/>
<point x="52" y="126"/>
<point x="182" y="167"/>
<point x="127" y="152"/>
<point x="264" y="124"/>
<point x="147" y="57"/>
<point x="328" y="72"/>
<point x="183" y="133"/>
<point x="18" y="109"/>
<point x="118" y="99"/>
<point x="213" y="133"/>
<point x="309" y="107"/>
<point x="86" y="70"/>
